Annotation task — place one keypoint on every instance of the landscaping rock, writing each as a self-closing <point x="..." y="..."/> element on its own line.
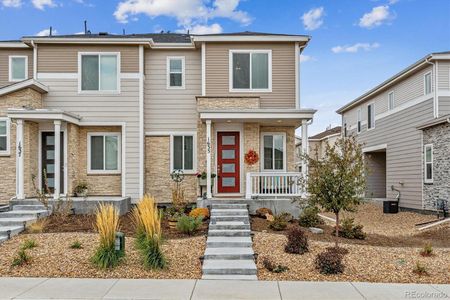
<point x="263" y="211"/>
<point x="316" y="230"/>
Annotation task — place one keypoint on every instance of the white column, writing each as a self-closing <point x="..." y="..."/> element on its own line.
<point x="208" y="159"/>
<point x="305" y="146"/>
<point x="57" y="159"/>
<point x="20" y="160"/>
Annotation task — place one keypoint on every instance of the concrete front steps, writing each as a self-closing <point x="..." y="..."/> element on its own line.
<point x="15" y="221"/>
<point x="229" y="253"/>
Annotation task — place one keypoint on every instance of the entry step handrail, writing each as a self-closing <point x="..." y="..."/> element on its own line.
<point x="273" y="184"/>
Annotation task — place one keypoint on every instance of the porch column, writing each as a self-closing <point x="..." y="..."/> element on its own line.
<point x="20" y="161"/>
<point x="57" y="159"/>
<point x="208" y="159"/>
<point x="305" y="146"/>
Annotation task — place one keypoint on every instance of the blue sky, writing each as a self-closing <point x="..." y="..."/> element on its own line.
<point x="355" y="44"/>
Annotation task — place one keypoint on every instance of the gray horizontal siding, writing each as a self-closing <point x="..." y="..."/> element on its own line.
<point x="444" y="106"/>
<point x="443" y="75"/>
<point x="376" y="177"/>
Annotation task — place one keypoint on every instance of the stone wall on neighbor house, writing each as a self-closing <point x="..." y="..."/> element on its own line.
<point x="439" y="137"/>
<point x="157" y="172"/>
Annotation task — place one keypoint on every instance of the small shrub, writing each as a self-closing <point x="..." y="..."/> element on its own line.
<point x="76" y="245"/>
<point x="349" y="230"/>
<point x="199" y="212"/>
<point x="188" y="224"/>
<point x="272" y="267"/>
<point x="309" y="217"/>
<point x="427" y="250"/>
<point x="329" y="262"/>
<point x="297" y="241"/>
<point x="420" y="269"/>
<point x="263" y="211"/>
<point x="29" y="244"/>
<point x="287" y="216"/>
<point x="21" y="259"/>
<point x="38" y="226"/>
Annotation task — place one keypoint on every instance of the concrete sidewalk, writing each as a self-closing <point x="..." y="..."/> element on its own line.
<point x="75" y="288"/>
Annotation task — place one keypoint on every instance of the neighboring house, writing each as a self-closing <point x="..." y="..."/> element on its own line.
<point x="402" y="124"/>
<point x="130" y="109"/>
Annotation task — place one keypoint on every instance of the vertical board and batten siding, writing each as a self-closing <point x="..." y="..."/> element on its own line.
<point x="283" y="72"/>
<point x="4" y="63"/>
<point x="170" y="110"/>
<point x="64" y="58"/>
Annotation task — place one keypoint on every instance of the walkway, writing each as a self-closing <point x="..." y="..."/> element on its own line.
<point x="74" y="288"/>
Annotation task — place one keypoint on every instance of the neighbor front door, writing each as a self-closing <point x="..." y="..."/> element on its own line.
<point x="228" y="168"/>
<point x="48" y="162"/>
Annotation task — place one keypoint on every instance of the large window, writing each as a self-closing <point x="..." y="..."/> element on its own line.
<point x="428" y="149"/>
<point x="251" y="70"/>
<point x="359" y="125"/>
<point x="4" y="136"/>
<point x="104" y="152"/>
<point x="427" y="83"/>
<point x="183" y="154"/>
<point x="99" y="72"/>
<point x="391" y="100"/>
<point x="370" y="116"/>
<point x="18" y="68"/>
<point x="274" y="145"/>
<point x="175" y="72"/>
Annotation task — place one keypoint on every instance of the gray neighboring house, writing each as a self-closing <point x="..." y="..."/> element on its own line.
<point x="403" y="124"/>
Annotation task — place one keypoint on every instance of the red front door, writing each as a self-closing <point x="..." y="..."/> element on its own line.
<point x="228" y="162"/>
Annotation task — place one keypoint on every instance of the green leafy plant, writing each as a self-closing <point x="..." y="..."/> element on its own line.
<point x="427" y="250"/>
<point x="420" y="269"/>
<point x="189" y="225"/>
<point x="29" y="244"/>
<point x="279" y="223"/>
<point x="297" y="241"/>
<point x="309" y="217"/>
<point x="350" y="230"/>
<point x="273" y="267"/>
<point x="21" y="259"/>
<point x="76" y="245"/>
<point x="330" y="261"/>
<point x="81" y="189"/>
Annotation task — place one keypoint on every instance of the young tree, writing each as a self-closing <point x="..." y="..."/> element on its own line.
<point x="336" y="182"/>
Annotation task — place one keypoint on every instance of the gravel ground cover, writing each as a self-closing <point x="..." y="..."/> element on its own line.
<point x="363" y="263"/>
<point x="53" y="258"/>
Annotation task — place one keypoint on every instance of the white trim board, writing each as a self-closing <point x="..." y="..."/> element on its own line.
<point x="75" y="75"/>
<point x="10" y="58"/>
<point x="7" y="152"/>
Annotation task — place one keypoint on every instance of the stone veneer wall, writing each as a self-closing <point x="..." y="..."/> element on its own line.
<point x="439" y="136"/>
<point x="227" y="102"/>
<point x="157" y="172"/>
<point x="73" y="156"/>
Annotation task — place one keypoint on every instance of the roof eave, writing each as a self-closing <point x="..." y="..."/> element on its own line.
<point x="13" y="45"/>
<point x="251" y="38"/>
<point x="56" y="40"/>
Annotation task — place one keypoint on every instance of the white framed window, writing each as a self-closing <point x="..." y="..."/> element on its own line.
<point x="370" y="116"/>
<point x="104" y="152"/>
<point x="18" y="67"/>
<point x="359" y="124"/>
<point x="250" y="70"/>
<point x="391" y="100"/>
<point x="175" y="72"/>
<point x="428" y="160"/>
<point x="183" y="152"/>
<point x="427" y="83"/>
<point x="4" y="136"/>
<point x="98" y="72"/>
<point x="273" y="149"/>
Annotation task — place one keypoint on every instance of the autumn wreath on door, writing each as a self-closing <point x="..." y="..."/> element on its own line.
<point x="251" y="157"/>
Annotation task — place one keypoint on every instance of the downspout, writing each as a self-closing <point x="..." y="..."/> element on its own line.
<point x="34" y="59"/>
<point x="297" y="58"/>
<point x="434" y="77"/>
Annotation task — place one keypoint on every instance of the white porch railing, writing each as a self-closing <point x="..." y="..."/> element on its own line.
<point x="273" y="184"/>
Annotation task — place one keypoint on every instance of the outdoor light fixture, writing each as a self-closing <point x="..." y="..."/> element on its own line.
<point x="119" y="243"/>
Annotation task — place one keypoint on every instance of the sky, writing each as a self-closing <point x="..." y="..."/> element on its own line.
<point x="355" y="45"/>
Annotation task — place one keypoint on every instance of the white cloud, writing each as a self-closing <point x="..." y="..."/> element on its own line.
<point x="46" y="32"/>
<point x="202" y="29"/>
<point x="313" y="19"/>
<point x="188" y="13"/>
<point x="355" y="48"/>
<point x="12" y="3"/>
<point x="376" y="17"/>
<point x="305" y="58"/>
<point x="41" y="4"/>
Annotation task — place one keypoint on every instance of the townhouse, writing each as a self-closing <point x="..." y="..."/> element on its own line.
<point x="403" y="124"/>
<point x="121" y="112"/>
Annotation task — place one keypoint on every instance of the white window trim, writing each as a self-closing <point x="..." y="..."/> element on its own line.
<point x="393" y="100"/>
<point x="373" y="118"/>
<point x="425" y="83"/>
<point x="80" y="91"/>
<point x="250" y="90"/>
<point x="359" y="121"/>
<point x="119" y="152"/>
<point x="183" y="73"/>
<point x="425" y="163"/>
<point x="7" y="152"/>
<point x="10" y="68"/>
<point x="194" y="141"/>
<point x="263" y="134"/>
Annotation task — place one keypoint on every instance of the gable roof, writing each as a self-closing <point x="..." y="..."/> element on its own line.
<point x="28" y="83"/>
<point x="326" y="133"/>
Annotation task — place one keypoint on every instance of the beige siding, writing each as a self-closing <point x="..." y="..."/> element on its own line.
<point x="283" y="72"/>
<point x="64" y="58"/>
<point x="4" y="63"/>
<point x="171" y="109"/>
<point x="443" y="75"/>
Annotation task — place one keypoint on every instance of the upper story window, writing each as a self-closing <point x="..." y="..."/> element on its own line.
<point x="250" y="70"/>
<point x="370" y="116"/>
<point x="4" y="136"/>
<point x="104" y="152"/>
<point x="183" y="156"/>
<point x="175" y="72"/>
<point x="18" y="68"/>
<point x="99" y="72"/>
<point x="428" y="149"/>
<point x="274" y="145"/>
<point x="359" y="125"/>
<point x="427" y="83"/>
<point x="391" y="100"/>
